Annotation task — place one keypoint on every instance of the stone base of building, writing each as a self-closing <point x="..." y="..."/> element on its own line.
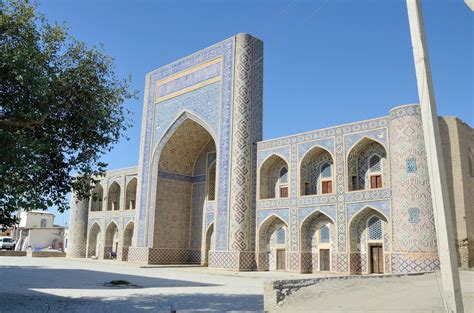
<point x="403" y="263"/>
<point x="163" y="256"/>
<point x="233" y="260"/>
<point x="76" y="251"/>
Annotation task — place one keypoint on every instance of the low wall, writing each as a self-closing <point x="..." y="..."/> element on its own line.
<point x="276" y="291"/>
<point x="12" y="253"/>
<point x="46" y="254"/>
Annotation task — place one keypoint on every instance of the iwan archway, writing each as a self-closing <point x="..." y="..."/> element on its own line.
<point x="183" y="170"/>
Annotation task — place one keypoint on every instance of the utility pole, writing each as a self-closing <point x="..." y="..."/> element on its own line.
<point x="451" y="287"/>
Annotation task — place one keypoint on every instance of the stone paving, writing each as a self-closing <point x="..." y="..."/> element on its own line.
<point x="77" y="285"/>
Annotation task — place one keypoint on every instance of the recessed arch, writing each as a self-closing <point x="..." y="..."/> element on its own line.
<point x="128" y="232"/>
<point x="271" y="182"/>
<point x="97" y="198"/>
<point x="358" y="158"/>
<point x="361" y="245"/>
<point x="210" y="237"/>
<point x="111" y="240"/>
<point x="311" y="178"/>
<point x="93" y="240"/>
<point x="113" y="197"/>
<point x="131" y="194"/>
<point x="271" y="251"/>
<point x="179" y="192"/>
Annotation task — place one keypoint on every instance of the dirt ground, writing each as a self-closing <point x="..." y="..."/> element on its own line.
<point x="420" y="293"/>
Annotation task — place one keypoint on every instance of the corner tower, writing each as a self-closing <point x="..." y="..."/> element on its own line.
<point x="414" y="235"/>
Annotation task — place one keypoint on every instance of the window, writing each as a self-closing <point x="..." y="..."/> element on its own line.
<point x="326" y="170"/>
<point x="375" y="228"/>
<point x="306" y="188"/>
<point x="411" y="165"/>
<point x="324" y="234"/>
<point x="280" y="237"/>
<point x="375" y="181"/>
<point x="283" y="175"/>
<point x="327" y="186"/>
<point x="375" y="164"/>
<point x="284" y="192"/>
<point x="43" y="223"/>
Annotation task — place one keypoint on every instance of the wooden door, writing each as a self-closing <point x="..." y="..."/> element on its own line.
<point x="324" y="259"/>
<point x="375" y="181"/>
<point x="280" y="259"/>
<point x="327" y="186"/>
<point x="376" y="256"/>
<point x="284" y="192"/>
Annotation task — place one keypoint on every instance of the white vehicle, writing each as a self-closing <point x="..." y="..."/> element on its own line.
<point x="7" y="243"/>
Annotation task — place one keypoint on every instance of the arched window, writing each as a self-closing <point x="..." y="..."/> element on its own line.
<point x="326" y="171"/>
<point x="375" y="228"/>
<point x="283" y="175"/>
<point x="280" y="237"/>
<point x="283" y="181"/>
<point x="324" y="234"/>
<point x="375" y="164"/>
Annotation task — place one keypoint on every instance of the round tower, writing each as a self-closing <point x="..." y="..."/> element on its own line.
<point x="413" y="227"/>
<point x="77" y="236"/>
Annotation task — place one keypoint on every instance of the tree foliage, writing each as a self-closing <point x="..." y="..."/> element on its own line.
<point x="61" y="108"/>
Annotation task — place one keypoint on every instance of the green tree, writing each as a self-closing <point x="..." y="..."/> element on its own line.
<point x="61" y="108"/>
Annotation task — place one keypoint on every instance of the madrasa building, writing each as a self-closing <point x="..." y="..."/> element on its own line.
<point x="349" y="199"/>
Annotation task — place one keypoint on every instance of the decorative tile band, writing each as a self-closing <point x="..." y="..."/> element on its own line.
<point x="183" y="178"/>
<point x="188" y="80"/>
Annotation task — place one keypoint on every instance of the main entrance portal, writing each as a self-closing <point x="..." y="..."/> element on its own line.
<point x="182" y="191"/>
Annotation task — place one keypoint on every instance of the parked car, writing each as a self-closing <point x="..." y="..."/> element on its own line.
<point x="7" y="243"/>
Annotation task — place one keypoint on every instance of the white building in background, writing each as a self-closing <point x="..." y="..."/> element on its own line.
<point x="36" y="231"/>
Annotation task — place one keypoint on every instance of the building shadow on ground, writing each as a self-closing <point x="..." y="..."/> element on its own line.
<point x="40" y="302"/>
<point x="49" y="278"/>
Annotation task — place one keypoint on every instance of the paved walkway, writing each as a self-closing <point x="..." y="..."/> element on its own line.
<point x="77" y="285"/>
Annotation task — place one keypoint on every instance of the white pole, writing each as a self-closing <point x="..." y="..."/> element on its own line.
<point x="452" y="296"/>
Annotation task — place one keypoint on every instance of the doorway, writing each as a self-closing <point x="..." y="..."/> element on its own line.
<point x="280" y="259"/>
<point x="376" y="259"/>
<point x="324" y="260"/>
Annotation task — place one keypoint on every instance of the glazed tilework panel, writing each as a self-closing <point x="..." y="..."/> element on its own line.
<point x="410" y="190"/>
<point x="414" y="262"/>
<point x="211" y="103"/>
<point x="172" y="214"/>
<point x="193" y="78"/>
<point x="382" y="206"/>
<point x="327" y="144"/>
<point x="329" y="210"/>
<point x="262" y="155"/>
<point x="224" y="259"/>
<point x="246" y="130"/>
<point x="281" y="213"/>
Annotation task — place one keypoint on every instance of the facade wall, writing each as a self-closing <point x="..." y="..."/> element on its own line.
<point x="205" y="110"/>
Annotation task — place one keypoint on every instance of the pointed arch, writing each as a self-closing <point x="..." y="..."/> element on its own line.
<point x="97" y="198"/>
<point x="128" y="232"/>
<point x="113" y="197"/>
<point x="93" y="240"/>
<point x="131" y="194"/>
<point x="271" y="250"/>
<point x="271" y="183"/>
<point x="360" y="244"/>
<point x="311" y="178"/>
<point x="358" y="168"/>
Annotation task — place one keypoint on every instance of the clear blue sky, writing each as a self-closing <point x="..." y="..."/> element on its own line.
<point x="327" y="62"/>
